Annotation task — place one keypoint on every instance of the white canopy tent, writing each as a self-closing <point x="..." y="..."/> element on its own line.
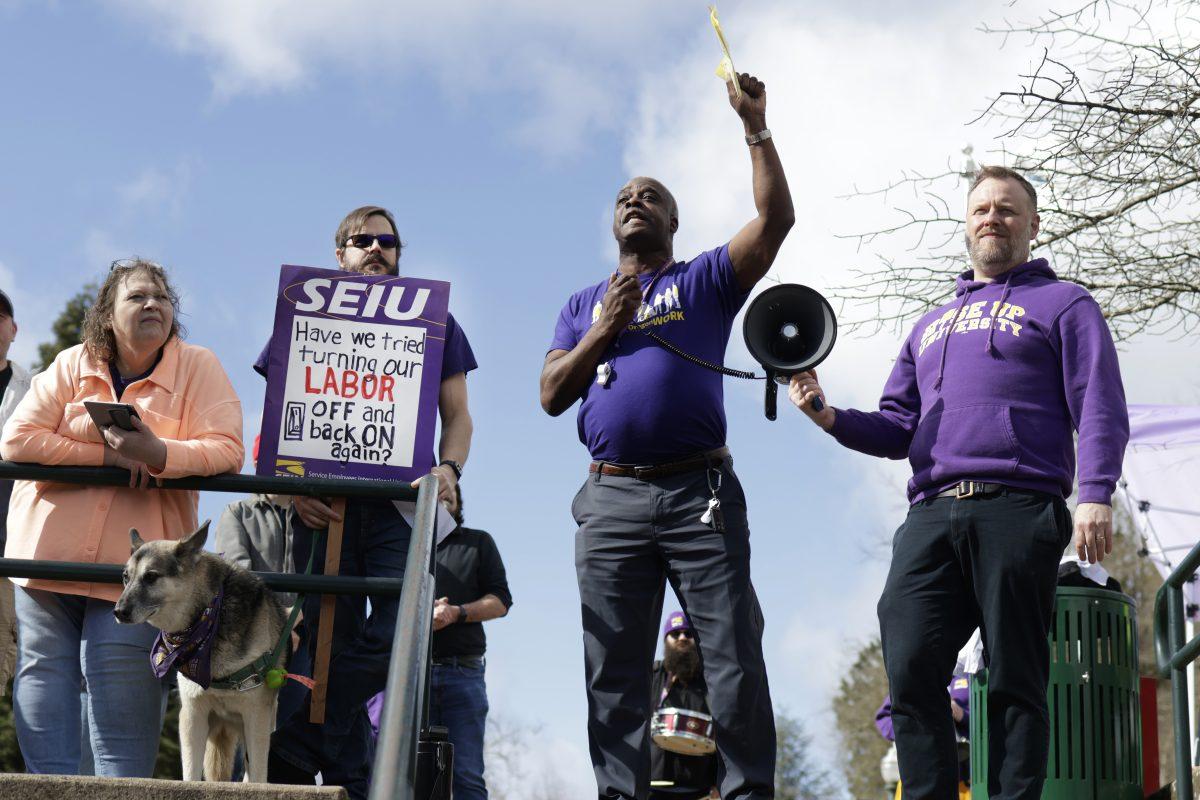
<point x="1160" y="487"/>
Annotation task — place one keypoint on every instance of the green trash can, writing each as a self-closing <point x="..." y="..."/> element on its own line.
<point x="1095" y="719"/>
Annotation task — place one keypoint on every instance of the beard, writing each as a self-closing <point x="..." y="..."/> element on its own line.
<point x="682" y="662"/>
<point x="372" y="264"/>
<point x="993" y="251"/>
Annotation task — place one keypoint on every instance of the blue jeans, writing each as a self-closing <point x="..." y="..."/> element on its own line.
<point x="459" y="701"/>
<point x="67" y="640"/>
<point x="374" y="544"/>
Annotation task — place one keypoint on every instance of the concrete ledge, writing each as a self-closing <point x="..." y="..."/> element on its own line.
<point x="78" y="787"/>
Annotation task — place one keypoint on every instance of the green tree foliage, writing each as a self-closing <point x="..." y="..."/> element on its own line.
<point x="10" y="753"/>
<point x="860" y="692"/>
<point x="67" y="326"/>
<point x="796" y="776"/>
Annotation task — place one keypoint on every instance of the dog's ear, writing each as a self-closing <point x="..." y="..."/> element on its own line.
<point x="135" y="540"/>
<point x="194" y="543"/>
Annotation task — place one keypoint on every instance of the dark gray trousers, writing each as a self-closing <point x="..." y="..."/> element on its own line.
<point x="987" y="562"/>
<point x="632" y="534"/>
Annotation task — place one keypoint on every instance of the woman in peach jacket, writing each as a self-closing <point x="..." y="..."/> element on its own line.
<point x="191" y="424"/>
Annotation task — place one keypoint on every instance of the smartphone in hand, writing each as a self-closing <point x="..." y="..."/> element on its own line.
<point x="119" y="415"/>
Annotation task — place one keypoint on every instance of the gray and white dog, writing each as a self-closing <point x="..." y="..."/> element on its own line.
<point x="170" y="585"/>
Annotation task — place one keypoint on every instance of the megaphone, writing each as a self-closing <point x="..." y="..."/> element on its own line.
<point x="789" y="328"/>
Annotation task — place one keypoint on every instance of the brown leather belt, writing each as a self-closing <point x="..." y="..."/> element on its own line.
<point x="651" y="471"/>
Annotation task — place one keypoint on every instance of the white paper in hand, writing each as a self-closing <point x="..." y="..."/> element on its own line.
<point x="444" y="525"/>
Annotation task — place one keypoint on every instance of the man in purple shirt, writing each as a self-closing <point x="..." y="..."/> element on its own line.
<point x="661" y="498"/>
<point x="374" y="544"/>
<point x="984" y="400"/>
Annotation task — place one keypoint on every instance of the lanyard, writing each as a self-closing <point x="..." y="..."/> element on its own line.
<point x="604" y="370"/>
<point x="650" y="287"/>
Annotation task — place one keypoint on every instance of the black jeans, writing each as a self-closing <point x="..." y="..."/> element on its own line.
<point x="988" y="562"/>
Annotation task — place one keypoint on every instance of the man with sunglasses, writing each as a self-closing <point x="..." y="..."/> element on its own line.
<point x="661" y="497"/>
<point x="679" y="683"/>
<point x="374" y="544"/>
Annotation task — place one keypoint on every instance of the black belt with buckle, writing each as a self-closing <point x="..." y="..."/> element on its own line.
<point x="964" y="489"/>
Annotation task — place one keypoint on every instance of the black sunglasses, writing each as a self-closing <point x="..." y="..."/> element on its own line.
<point x="682" y="633"/>
<point x="363" y="241"/>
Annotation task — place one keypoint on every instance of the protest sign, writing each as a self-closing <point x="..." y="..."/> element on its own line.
<point x="353" y="377"/>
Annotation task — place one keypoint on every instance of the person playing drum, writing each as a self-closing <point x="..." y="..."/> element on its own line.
<point x="683" y="761"/>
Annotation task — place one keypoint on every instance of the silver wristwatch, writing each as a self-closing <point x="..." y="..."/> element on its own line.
<point x="761" y="136"/>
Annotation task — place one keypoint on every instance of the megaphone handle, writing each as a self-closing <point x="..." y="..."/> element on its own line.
<point x="772" y="394"/>
<point x="817" y="404"/>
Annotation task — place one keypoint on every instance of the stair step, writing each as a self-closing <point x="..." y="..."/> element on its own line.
<point x="86" y="787"/>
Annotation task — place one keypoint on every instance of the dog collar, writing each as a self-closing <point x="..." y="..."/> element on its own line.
<point x="249" y="677"/>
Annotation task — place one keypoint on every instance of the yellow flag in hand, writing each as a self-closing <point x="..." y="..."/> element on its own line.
<point x="725" y="70"/>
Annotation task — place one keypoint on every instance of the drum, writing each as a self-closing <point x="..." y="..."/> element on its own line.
<point x="678" y="730"/>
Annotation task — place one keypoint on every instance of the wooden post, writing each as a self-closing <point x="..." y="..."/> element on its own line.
<point x="333" y="561"/>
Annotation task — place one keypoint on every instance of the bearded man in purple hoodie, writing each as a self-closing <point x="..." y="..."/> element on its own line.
<point x="983" y="401"/>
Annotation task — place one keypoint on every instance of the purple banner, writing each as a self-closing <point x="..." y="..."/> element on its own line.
<point x="354" y="373"/>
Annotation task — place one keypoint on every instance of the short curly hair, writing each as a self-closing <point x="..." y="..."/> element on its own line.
<point x="97" y="332"/>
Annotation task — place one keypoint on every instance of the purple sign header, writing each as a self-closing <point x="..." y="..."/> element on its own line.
<point x="353" y="375"/>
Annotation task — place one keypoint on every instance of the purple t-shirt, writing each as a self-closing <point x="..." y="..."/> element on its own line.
<point x="657" y="406"/>
<point x="456" y="355"/>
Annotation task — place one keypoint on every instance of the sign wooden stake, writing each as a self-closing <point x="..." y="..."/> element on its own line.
<point x="333" y="560"/>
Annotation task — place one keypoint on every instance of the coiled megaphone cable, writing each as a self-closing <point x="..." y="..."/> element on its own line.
<point x="700" y="362"/>
<point x="817" y="404"/>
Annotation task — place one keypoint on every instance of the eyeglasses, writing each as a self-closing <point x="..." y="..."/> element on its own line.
<point x="363" y="241"/>
<point x="681" y="634"/>
<point x="129" y="263"/>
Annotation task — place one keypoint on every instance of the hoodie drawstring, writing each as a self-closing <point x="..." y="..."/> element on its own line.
<point x="992" y="327"/>
<point x="937" y="385"/>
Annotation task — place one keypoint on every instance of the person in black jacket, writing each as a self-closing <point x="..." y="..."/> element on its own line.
<point x="678" y="682"/>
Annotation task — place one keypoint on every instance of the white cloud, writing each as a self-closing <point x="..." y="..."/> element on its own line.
<point x="569" y="67"/>
<point x="156" y="189"/>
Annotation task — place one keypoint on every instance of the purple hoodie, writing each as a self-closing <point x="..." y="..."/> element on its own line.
<point x="960" y="692"/>
<point x="990" y="387"/>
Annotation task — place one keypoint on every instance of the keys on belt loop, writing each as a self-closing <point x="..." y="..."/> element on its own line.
<point x="713" y="515"/>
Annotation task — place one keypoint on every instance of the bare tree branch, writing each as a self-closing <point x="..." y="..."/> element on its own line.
<point x="1107" y="124"/>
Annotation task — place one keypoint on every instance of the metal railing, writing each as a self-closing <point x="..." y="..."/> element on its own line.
<point x="405" y="708"/>
<point x="1173" y="654"/>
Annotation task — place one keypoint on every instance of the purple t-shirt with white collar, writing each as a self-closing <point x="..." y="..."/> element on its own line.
<point x="657" y="406"/>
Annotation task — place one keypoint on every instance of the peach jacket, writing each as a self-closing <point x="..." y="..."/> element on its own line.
<point x="187" y="401"/>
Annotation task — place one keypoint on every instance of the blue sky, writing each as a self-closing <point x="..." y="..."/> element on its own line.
<point x="226" y="138"/>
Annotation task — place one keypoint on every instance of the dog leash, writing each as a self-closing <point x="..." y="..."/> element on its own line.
<point x="265" y="669"/>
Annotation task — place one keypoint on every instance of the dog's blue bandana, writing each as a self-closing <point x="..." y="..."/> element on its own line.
<point x="191" y="649"/>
